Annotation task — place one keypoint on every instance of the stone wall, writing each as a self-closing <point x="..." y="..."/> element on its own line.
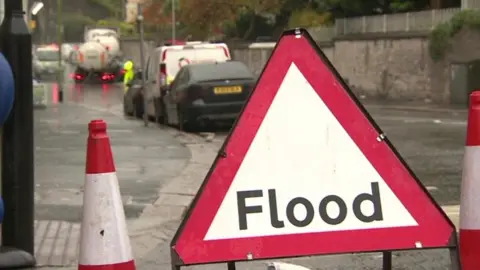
<point x="390" y="66"/>
<point x="255" y="56"/>
<point x="131" y="49"/>
<point x="393" y="66"/>
<point x="465" y="48"/>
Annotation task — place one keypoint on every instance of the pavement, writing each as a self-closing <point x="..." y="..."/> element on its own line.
<point x="431" y="141"/>
<point x="160" y="170"/>
<point x="145" y="159"/>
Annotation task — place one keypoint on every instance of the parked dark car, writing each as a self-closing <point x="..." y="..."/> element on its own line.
<point x="133" y="98"/>
<point x="202" y="93"/>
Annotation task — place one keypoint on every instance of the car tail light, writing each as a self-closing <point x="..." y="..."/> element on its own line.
<point x="226" y="52"/>
<point x="108" y="76"/>
<point x="77" y="76"/>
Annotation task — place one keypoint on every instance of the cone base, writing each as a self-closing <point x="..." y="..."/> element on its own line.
<point x="470" y="249"/>
<point x="130" y="265"/>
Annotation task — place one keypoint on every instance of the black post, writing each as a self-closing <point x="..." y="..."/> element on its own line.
<point x="231" y="266"/>
<point x="17" y="140"/>
<point x="387" y="260"/>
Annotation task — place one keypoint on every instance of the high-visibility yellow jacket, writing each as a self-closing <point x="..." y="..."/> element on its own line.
<point x="129" y="74"/>
<point x="169" y="79"/>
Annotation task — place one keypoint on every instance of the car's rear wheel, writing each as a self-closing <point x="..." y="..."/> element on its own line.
<point x="138" y="104"/>
<point x="160" y="111"/>
<point x="165" y="116"/>
<point x="183" y="123"/>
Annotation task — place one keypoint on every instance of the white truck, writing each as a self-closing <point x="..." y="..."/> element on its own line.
<point x="99" y="58"/>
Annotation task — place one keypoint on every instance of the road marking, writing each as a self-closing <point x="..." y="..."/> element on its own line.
<point x="421" y="120"/>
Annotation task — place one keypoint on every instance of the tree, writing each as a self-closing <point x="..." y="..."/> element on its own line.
<point x="114" y="17"/>
<point x="155" y="14"/>
<point x="308" y="18"/>
<point x="126" y="29"/>
<point x="74" y="25"/>
<point x="349" y="8"/>
<point x="111" y="6"/>
<point x="258" y="8"/>
<point x="201" y="18"/>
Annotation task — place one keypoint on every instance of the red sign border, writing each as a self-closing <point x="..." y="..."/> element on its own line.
<point x="435" y="230"/>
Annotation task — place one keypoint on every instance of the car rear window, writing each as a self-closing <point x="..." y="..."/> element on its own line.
<point x="231" y="70"/>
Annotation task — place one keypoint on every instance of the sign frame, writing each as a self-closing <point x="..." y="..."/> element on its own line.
<point x="40" y="101"/>
<point x="451" y="242"/>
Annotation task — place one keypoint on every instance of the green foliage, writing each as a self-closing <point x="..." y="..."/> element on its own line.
<point x="367" y="7"/>
<point x="74" y="24"/>
<point x="307" y="18"/>
<point x="167" y="6"/>
<point x="126" y="29"/>
<point x="113" y="7"/>
<point x="239" y="27"/>
<point x="441" y="36"/>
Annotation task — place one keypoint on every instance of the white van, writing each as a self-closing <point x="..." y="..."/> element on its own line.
<point x="165" y="62"/>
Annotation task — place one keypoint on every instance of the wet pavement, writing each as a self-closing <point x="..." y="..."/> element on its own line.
<point x="431" y="142"/>
<point x="160" y="170"/>
<point x="145" y="160"/>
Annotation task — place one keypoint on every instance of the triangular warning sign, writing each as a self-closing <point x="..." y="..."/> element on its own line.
<point x="306" y="171"/>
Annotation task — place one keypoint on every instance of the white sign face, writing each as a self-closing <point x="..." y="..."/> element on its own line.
<point x="304" y="174"/>
<point x="40" y="94"/>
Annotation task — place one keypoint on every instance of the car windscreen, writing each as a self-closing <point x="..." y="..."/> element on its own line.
<point x="47" y="55"/>
<point x="230" y="70"/>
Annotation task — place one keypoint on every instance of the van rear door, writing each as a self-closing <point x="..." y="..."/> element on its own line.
<point x="176" y="57"/>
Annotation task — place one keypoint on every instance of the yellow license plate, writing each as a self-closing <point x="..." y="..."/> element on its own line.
<point x="227" y="90"/>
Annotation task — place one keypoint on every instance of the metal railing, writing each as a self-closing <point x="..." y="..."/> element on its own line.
<point x="400" y="22"/>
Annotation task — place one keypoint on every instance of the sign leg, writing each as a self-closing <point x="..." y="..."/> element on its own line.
<point x="387" y="260"/>
<point x="231" y="266"/>
<point x="455" y="258"/>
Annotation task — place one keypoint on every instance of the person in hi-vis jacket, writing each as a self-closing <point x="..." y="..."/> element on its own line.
<point x="128" y="75"/>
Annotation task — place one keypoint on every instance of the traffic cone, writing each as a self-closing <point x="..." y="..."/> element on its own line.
<point x="470" y="196"/>
<point x="104" y="242"/>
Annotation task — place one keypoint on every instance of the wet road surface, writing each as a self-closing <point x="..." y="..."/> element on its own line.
<point x="145" y="159"/>
<point x="431" y="142"/>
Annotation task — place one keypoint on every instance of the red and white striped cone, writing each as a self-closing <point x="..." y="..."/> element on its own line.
<point x="470" y="196"/>
<point x="104" y="242"/>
